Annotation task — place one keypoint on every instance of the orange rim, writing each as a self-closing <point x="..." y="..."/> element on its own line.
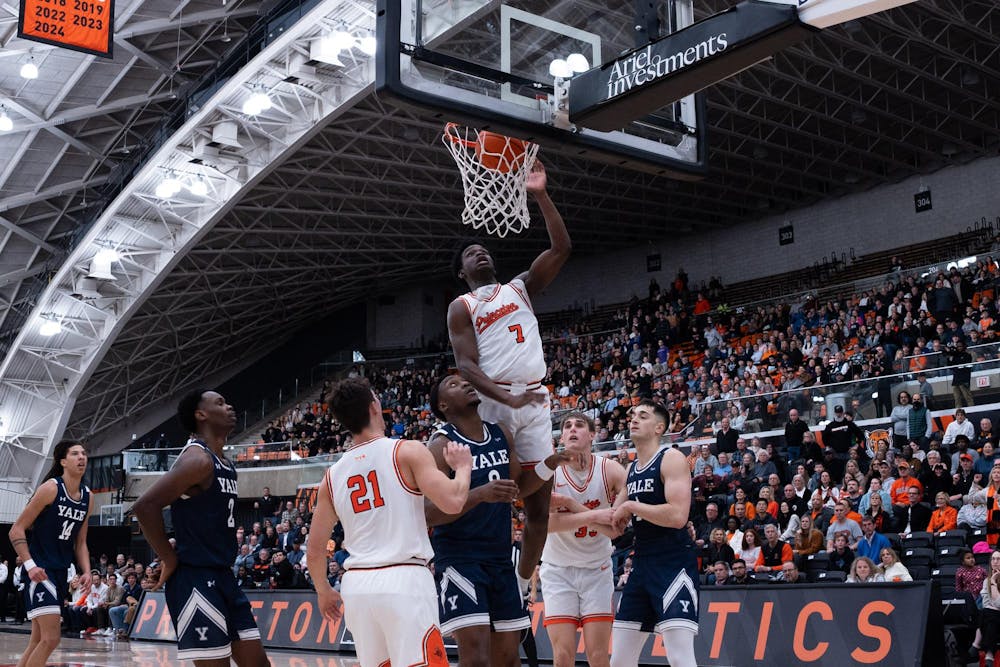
<point x="451" y="133"/>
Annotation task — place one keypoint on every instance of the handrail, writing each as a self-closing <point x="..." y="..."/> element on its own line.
<point x="865" y="282"/>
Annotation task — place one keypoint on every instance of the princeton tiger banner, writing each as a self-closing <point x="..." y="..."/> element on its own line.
<point x="810" y="624"/>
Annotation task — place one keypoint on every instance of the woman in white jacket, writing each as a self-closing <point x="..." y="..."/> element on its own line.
<point x="891" y="568"/>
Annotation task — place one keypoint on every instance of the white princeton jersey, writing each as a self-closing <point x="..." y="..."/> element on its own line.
<point x="583" y="547"/>
<point x="383" y="518"/>
<point x="510" y="348"/>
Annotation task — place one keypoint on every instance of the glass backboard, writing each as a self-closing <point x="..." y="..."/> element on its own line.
<point x="488" y="63"/>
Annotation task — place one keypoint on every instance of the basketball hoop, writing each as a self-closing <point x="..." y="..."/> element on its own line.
<point x="494" y="172"/>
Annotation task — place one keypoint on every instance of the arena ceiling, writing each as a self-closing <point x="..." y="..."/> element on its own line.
<point x="370" y="201"/>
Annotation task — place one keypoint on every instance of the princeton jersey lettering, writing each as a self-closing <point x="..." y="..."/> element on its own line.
<point x="53" y="535"/>
<point x="481" y="535"/>
<point x="584" y="547"/>
<point x="204" y="524"/>
<point x="510" y="348"/>
<point x="383" y="518"/>
<point x="644" y="485"/>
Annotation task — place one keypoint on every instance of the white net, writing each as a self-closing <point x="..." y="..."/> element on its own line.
<point x="495" y="171"/>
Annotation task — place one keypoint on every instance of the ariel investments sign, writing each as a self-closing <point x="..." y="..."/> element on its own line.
<point x="682" y="63"/>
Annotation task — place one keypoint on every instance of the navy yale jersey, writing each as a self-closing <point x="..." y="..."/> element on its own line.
<point x="53" y="535"/>
<point x="645" y="486"/>
<point x="203" y="524"/>
<point x="482" y="535"/>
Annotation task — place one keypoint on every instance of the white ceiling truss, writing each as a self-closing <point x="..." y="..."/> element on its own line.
<point x="218" y="146"/>
<point x="369" y="203"/>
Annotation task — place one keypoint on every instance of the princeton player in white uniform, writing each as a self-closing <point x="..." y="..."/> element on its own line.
<point x="576" y="573"/>
<point x="376" y="490"/>
<point x="494" y="335"/>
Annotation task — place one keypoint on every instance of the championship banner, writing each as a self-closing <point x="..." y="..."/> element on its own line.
<point x="805" y="624"/>
<point x="81" y="25"/>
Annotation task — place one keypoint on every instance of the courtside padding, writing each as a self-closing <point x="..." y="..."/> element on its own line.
<point x="808" y="624"/>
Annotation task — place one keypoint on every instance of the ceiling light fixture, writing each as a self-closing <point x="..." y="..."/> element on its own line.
<point x="199" y="187"/>
<point x="168" y="187"/>
<point x="560" y="69"/>
<point x="257" y="103"/>
<point x="343" y="40"/>
<point x="50" y="328"/>
<point x="29" y="70"/>
<point x="368" y="44"/>
<point x="578" y="63"/>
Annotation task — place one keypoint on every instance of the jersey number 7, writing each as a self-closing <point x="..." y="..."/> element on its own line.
<point x="359" y="487"/>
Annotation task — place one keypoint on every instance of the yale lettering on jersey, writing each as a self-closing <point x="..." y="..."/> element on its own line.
<point x="489" y="459"/>
<point x="638" y="486"/>
<point x="228" y="485"/>
<point x="72" y="514"/>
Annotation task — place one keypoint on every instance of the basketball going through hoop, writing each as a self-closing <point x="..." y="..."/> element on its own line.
<point x="494" y="170"/>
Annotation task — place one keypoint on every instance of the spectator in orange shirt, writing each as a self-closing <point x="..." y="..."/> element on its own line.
<point x="944" y="517"/>
<point x="899" y="492"/>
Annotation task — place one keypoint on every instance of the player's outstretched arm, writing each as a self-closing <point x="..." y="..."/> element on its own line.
<point x="547" y="265"/>
<point x="448" y="494"/>
<point x="496" y="491"/>
<point x="44" y="496"/>
<point x="533" y="478"/>
<point x="323" y="521"/>
<point x="463" y="343"/>
<point x="191" y="474"/>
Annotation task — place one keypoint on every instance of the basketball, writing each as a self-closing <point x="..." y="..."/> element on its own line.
<point x="500" y="153"/>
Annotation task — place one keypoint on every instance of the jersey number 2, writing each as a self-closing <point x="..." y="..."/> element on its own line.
<point x="359" y="492"/>
<point x="518" y="333"/>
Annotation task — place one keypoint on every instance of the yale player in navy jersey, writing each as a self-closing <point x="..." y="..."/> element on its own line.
<point x="57" y="516"/>
<point x="211" y="615"/>
<point x="479" y="598"/>
<point x="662" y="592"/>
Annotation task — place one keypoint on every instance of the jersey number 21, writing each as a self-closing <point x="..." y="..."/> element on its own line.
<point x="365" y="493"/>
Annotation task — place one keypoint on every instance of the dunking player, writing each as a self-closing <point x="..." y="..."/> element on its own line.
<point x="497" y="347"/>
<point x="576" y="572"/>
<point x="210" y="613"/>
<point x="376" y="490"/>
<point x="57" y="515"/>
<point x="479" y="597"/>
<point x="662" y="593"/>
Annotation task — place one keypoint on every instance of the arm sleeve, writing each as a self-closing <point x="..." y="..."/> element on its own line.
<point x="786" y="555"/>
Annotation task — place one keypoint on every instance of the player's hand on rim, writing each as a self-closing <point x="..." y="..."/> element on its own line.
<point x="457" y="456"/>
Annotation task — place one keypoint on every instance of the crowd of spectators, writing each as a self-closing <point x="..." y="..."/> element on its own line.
<point x="105" y="609"/>
<point x="715" y="367"/>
